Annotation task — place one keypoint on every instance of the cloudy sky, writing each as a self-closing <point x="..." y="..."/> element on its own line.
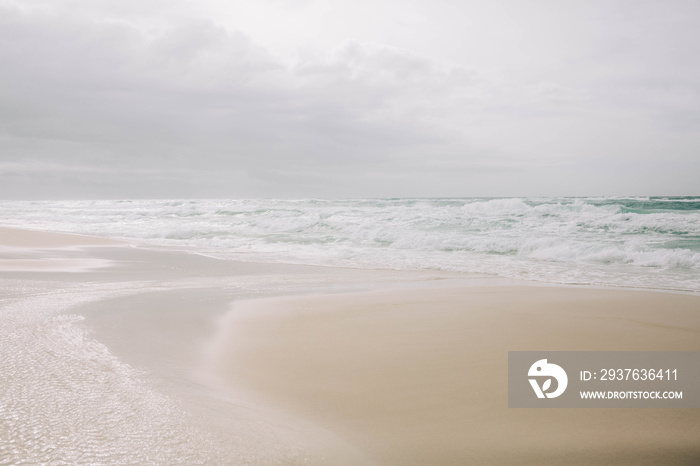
<point x="356" y="98"/>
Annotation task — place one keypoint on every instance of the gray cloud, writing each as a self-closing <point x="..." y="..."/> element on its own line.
<point x="122" y="99"/>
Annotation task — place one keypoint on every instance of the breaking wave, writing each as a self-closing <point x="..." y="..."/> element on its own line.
<point x="636" y="242"/>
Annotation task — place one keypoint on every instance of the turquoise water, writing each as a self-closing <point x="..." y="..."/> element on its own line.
<point x="647" y="242"/>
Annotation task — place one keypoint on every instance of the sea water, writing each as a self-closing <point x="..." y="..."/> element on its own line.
<point x="642" y="242"/>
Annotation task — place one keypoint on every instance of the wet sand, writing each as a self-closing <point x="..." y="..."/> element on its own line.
<point x="420" y="376"/>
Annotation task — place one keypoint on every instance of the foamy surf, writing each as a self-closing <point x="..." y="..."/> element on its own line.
<point x="632" y="242"/>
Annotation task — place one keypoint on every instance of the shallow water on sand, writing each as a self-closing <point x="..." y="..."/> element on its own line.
<point x="97" y="367"/>
<point x="66" y="399"/>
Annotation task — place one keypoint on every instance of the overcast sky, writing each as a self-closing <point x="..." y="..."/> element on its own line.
<point x="357" y="98"/>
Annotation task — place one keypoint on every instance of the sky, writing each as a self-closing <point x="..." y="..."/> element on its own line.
<point x="108" y="99"/>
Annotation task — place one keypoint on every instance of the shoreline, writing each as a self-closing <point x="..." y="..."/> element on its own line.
<point x="88" y="240"/>
<point x="311" y="365"/>
<point x="23" y="238"/>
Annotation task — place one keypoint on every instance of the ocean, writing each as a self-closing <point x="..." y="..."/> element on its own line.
<point x="639" y="242"/>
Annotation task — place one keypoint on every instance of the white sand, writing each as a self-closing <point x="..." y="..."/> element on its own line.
<point x="38" y="251"/>
<point x="14" y="237"/>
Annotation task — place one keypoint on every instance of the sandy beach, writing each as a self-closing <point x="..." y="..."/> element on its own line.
<point x="420" y="376"/>
<point x="172" y="358"/>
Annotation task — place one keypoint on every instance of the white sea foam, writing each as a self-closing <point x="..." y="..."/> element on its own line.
<point x="637" y="242"/>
